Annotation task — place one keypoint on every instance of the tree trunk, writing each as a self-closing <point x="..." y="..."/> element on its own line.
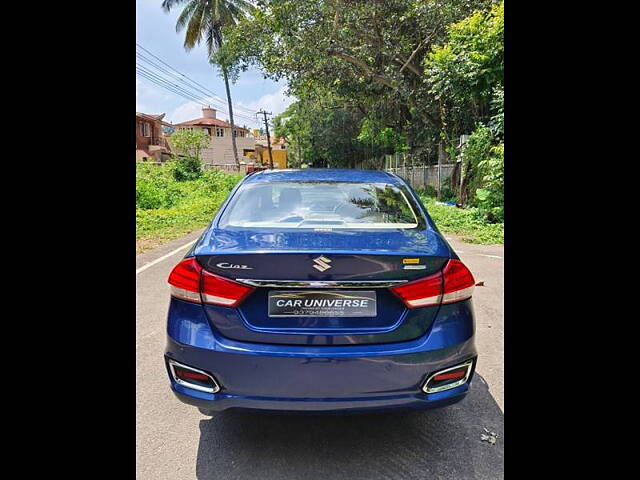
<point x="233" y="137"/>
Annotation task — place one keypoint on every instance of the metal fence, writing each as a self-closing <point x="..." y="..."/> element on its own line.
<point x="227" y="167"/>
<point x="410" y="169"/>
<point x="422" y="175"/>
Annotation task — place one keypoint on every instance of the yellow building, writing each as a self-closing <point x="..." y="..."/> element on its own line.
<point x="279" y="158"/>
<point x="261" y="153"/>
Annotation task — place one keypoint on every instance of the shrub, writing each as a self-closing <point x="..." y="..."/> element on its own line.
<point x="186" y="168"/>
<point x="490" y="198"/>
<point x="430" y="191"/>
<point x="190" y="142"/>
<point x="447" y="193"/>
<point x="484" y="177"/>
<point x="468" y="222"/>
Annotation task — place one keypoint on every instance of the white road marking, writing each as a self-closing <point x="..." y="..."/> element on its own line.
<point x="491" y="256"/>
<point x="164" y="257"/>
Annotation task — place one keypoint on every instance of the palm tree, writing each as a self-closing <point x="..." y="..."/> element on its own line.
<point x="205" y="19"/>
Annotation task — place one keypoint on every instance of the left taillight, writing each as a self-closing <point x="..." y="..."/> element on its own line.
<point x="222" y="291"/>
<point x="190" y="282"/>
<point x="185" y="280"/>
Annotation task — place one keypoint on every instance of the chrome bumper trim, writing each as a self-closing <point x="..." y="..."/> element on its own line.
<point x="321" y="283"/>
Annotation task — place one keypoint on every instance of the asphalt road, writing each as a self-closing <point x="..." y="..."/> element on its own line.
<point x="175" y="441"/>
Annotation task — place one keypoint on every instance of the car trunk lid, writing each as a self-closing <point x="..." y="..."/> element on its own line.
<point x="320" y="267"/>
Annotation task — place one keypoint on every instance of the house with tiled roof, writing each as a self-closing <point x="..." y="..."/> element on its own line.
<point x="220" y="150"/>
<point x="151" y="144"/>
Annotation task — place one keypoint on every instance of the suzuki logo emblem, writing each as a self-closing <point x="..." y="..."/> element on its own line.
<point x="322" y="263"/>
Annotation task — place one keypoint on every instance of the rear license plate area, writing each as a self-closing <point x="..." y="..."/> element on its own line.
<point x="322" y="303"/>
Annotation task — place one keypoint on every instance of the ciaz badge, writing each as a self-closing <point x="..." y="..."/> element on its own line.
<point x="231" y="265"/>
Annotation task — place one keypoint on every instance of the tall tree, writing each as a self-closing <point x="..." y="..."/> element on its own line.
<point x="205" y="19"/>
<point x="367" y="52"/>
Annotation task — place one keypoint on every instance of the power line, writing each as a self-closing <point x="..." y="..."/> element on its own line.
<point x="205" y="97"/>
<point x="182" y="75"/>
<point x="186" y="89"/>
<point x="167" y="72"/>
<point x="168" y="87"/>
<point x="178" y="90"/>
<point x="164" y="82"/>
<point x="158" y="80"/>
<point x="186" y="79"/>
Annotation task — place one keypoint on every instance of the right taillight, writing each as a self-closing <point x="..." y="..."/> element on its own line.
<point x="421" y="293"/>
<point x="458" y="282"/>
<point x="190" y="282"/>
<point x="453" y="284"/>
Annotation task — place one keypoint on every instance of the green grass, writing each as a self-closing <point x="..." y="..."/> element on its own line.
<point x="467" y="223"/>
<point x="167" y="209"/>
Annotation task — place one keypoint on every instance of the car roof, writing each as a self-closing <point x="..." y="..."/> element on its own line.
<point x="323" y="175"/>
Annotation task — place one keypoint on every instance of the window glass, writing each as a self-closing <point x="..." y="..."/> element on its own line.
<point x="345" y="205"/>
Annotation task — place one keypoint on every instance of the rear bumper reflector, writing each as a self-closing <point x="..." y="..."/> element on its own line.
<point x="448" y="378"/>
<point x="182" y="374"/>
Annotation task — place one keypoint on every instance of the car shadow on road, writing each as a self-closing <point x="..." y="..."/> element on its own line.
<point x="441" y="443"/>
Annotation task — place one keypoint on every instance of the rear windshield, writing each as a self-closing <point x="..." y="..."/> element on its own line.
<point x="319" y="205"/>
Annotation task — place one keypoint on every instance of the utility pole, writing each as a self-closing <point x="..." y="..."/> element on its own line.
<point x="266" y="126"/>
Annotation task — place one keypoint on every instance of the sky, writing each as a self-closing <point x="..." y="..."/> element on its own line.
<point x="155" y="31"/>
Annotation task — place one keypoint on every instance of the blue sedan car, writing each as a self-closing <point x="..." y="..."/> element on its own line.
<point x="321" y="290"/>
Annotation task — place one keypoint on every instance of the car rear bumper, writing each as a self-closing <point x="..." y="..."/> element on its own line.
<point x="219" y="402"/>
<point x="322" y="378"/>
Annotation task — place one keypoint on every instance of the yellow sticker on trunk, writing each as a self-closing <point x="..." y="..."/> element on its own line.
<point x="410" y="261"/>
